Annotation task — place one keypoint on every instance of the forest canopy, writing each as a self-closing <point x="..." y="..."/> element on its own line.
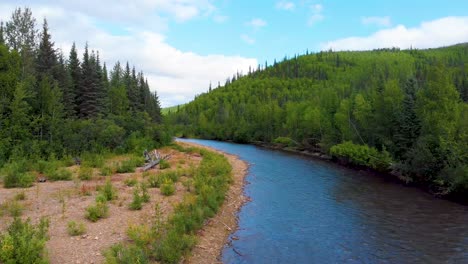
<point x="399" y="111"/>
<point x="54" y="104"/>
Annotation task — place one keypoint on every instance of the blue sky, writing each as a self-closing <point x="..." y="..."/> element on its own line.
<point x="183" y="45"/>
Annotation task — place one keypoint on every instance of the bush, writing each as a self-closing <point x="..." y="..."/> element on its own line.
<point x="61" y="174"/>
<point x="16" y="175"/>
<point x="167" y="188"/>
<point x="76" y="229"/>
<point x="97" y="211"/>
<point x="362" y="155"/>
<point x="93" y="160"/>
<point x="145" y="197"/>
<point x="127" y="166"/>
<point x="106" y="171"/>
<point x="131" y="181"/>
<point x="108" y="191"/>
<point x="85" y="173"/>
<point x="24" y="243"/>
<point x="286" y="141"/>
<point x="120" y="254"/>
<point x="153" y="181"/>
<point x="163" y="164"/>
<point x="21" y="196"/>
<point x="137" y="202"/>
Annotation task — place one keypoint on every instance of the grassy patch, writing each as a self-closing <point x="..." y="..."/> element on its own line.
<point x="168" y="242"/>
<point x="76" y="228"/>
<point x="85" y="173"/>
<point x="24" y="242"/>
<point x="168" y="188"/>
<point x="61" y="174"/>
<point x="97" y="211"/>
<point x="164" y="164"/>
<point x="15" y="175"/>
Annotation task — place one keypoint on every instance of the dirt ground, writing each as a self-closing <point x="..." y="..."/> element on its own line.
<point x="215" y="234"/>
<point x="64" y="201"/>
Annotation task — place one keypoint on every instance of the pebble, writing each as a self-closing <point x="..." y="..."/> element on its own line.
<point x="96" y="238"/>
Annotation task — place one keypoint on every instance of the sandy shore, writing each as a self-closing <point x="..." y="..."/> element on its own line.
<point x="214" y="235"/>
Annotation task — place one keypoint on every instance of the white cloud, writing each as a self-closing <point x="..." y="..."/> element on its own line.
<point x="247" y="39"/>
<point x="257" y="23"/>
<point x="285" y="5"/>
<point x="220" y="18"/>
<point x="375" y="20"/>
<point x="316" y="14"/>
<point x="440" y="32"/>
<point x="176" y="75"/>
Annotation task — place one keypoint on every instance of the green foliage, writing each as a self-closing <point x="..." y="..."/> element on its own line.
<point x="61" y="174"/>
<point x="285" y="141"/>
<point x="411" y="103"/>
<point x="169" y="242"/>
<point x="132" y="181"/>
<point x="153" y="181"/>
<point x="24" y="243"/>
<point x="129" y="165"/>
<point x="12" y="207"/>
<point x="137" y="202"/>
<point x="120" y="254"/>
<point x="108" y="191"/>
<point x="167" y="187"/>
<point x="76" y="228"/>
<point x="97" y="211"/>
<point x="15" y="175"/>
<point x="106" y="170"/>
<point x="85" y="173"/>
<point x="362" y="155"/>
<point x="20" y="196"/>
<point x="92" y="160"/>
<point x="164" y="164"/>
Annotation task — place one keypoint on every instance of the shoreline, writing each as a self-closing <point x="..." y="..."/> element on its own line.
<point x="215" y="233"/>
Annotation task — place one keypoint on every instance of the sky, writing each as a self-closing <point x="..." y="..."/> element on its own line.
<point x="184" y="45"/>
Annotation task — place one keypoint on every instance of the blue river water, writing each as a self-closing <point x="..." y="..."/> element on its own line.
<point x="304" y="210"/>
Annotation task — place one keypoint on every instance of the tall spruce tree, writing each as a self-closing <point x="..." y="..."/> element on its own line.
<point x="46" y="55"/>
<point x="74" y="69"/>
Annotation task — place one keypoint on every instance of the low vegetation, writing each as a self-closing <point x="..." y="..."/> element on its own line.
<point x="168" y="242"/>
<point x="76" y="228"/>
<point x="24" y="243"/>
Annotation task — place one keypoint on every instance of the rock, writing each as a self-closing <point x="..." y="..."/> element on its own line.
<point x="235" y="238"/>
<point x="96" y="238"/>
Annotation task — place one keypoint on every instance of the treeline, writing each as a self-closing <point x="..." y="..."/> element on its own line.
<point x="395" y="110"/>
<point x="52" y="105"/>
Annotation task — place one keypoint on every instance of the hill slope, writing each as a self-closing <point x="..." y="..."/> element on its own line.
<point x="404" y="111"/>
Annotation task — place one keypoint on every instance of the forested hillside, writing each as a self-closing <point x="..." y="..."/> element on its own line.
<point x="54" y="105"/>
<point x="403" y="111"/>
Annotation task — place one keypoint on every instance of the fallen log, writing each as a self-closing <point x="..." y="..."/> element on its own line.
<point x="151" y="164"/>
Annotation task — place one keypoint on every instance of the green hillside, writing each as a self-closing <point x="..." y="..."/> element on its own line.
<point x="392" y="110"/>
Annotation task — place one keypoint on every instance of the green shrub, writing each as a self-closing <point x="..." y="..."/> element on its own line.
<point x="85" y="173"/>
<point x="153" y="181"/>
<point x="108" y="191"/>
<point x="13" y="207"/>
<point x="131" y="181"/>
<point x="145" y="197"/>
<point x="285" y="141"/>
<point x="129" y="165"/>
<point x="76" y="229"/>
<point x="106" y="171"/>
<point x="24" y="243"/>
<point x="93" y="160"/>
<point x="120" y="254"/>
<point x="137" y="202"/>
<point x="61" y="174"/>
<point x="15" y="175"/>
<point x="20" y="196"/>
<point x="164" y="164"/>
<point x="167" y="188"/>
<point x="362" y="155"/>
<point x="97" y="211"/>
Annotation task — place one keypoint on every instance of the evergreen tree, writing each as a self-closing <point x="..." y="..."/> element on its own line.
<point x="88" y="101"/>
<point x="2" y="38"/>
<point x="74" y="70"/>
<point x="46" y="55"/>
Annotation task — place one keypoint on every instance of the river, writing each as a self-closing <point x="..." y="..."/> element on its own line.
<point x="304" y="210"/>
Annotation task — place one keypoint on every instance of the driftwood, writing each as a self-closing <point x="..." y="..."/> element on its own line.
<point x="153" y="158"/>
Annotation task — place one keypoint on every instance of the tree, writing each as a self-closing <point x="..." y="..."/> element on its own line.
<point x="46" y="55"/>
<point x="74" y="70"/>
<point x="2" y="37"/>
<point x="21" y="35"/>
